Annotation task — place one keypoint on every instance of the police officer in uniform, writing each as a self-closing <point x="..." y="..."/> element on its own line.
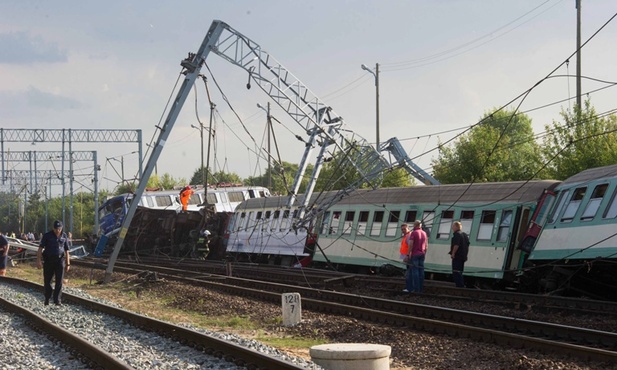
<point x="54" y="252"/>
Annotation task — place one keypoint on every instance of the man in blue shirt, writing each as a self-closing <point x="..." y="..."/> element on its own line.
<point x="54" y="252"/>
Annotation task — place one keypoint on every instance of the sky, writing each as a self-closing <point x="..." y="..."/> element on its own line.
<point x="443" y="65"/>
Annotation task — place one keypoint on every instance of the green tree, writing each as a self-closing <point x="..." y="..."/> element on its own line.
<point x="580" y="143"/>
<point x="9" y="213"/>
<point x="501" y="148"/>
<point x="282" y="178"/>
<point x="215" y="178"/>
<point x="164" y="182"/>
<point x="397" y="178"/>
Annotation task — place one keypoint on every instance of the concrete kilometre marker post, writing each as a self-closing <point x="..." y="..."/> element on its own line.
<point x="292" y="309"/>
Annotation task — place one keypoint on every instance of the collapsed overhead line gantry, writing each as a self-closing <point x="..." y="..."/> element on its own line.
<point x="319" y="122"/>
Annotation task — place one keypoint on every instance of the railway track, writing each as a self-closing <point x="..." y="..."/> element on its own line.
<point x="330" y="280"/>
<point x="586" y="344"/>
<point x="97" y="357"/>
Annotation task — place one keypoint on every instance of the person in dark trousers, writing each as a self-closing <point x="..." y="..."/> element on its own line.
<point x="4" y="254"/>
<point x="54" y="254"/>
<point x="404" y="251"/>
<point x="459" y="247"/>
<point x="418" y="243"/>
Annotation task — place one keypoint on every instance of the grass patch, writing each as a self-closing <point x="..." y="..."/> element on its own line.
<point x="290" y="342"/>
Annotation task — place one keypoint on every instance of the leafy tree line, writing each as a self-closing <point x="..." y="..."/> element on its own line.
<point x="37" y="214"/>
<point x="502" y="147"/>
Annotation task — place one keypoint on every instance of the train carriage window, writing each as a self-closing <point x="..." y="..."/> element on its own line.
<point x="250" y="221"/>
<point x="377" y="222"/>
<point x="574" y="204"/>
<point x="194" y="199"/>
<point x="410" y="217"/>
<point x="235" y="196"/>
<point x="487" y="221"/>
<point x="275" y="220"/>
<point x="258" y="220"/>
<point x="467" y="220"/>
<point x="445" y="224"/>
<point x="336" y="222"/>
<point x="392" y="226"/>
<point x="325" y="223"/>
<point x="594" y="203"/>
<point x="285" y="221"/>
<point x="427" y="221"/>
<point x="563" y="196"/>
<point x="163" y="200"/>
<point x="611" y="210"/>
<point x="348" y="226"/>
<point x="266" y="221"/>
<point x="242" y="222"/>
<point x="504" y="226"/>
<point x="362" y="221"/>
<point x="211" y="197"/>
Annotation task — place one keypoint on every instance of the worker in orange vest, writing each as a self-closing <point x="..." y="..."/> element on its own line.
<point x="185" y="195"/>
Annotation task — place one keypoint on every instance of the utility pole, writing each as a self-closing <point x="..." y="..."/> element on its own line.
<point x="376" y="75"/>
<point x="269" y="126"/>
<point x="210" y="134"/>
<point x="578" y="57"/>
<point x="201" y="135"/>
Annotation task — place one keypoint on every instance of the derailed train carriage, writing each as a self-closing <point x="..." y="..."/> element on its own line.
<point x="159" y="227"/>
<point x="361" y="233"/>
<point x="536" y="236"/>
<point x="576" y="251"/>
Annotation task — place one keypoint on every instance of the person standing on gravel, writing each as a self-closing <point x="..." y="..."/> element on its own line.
<point x="418" y="243"/>
<point x="459" y="247"/>
<point x="54" y="253"/>
<point x="404" y="251"/>
<point x="4" y="254"/>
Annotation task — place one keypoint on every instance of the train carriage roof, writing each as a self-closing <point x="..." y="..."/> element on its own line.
<point x="504" y="192"/>
<point x="509" y="192"/>
<point x="592" y="174"/>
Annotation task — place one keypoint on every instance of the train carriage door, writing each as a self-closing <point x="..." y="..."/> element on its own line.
<point x="522" y="219"/>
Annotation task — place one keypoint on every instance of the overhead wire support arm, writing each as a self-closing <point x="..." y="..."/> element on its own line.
<point x="192" y="66"/>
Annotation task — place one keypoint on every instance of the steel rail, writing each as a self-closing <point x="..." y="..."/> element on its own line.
<point x="78" y="345"/>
